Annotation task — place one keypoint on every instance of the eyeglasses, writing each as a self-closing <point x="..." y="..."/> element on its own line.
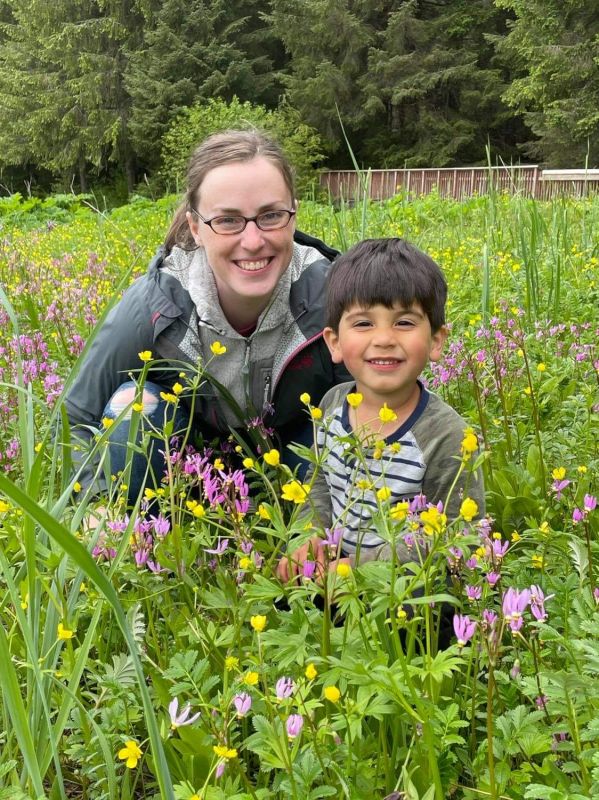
<point x="229" y="224"/>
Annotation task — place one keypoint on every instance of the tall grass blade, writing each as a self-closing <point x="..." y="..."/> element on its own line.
<point x="86" y="563"/>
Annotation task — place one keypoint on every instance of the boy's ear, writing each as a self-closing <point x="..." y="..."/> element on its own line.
<point x="332" y="342"/>
<point x="438" y="343"/>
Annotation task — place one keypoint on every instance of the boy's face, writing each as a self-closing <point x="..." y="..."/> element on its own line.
<point x="385" y="349"/>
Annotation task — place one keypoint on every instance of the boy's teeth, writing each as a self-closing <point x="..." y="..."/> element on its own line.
<point x="250" y="266"/>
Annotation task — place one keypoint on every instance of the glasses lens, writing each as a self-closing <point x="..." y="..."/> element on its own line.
<point x="271" y="220"/>
<point x="228" y="224"/>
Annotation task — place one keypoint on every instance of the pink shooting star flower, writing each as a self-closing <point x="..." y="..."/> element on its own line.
<point x="499" y="548"/>
<point x="537" y="603"/>
<point x="492" y="578"/>
<point x="284" y="688"/>
<point x="294" y="725"/>
<point x="474" y="593"/>
<point x="221" y="547"/>
<point x="589" y="503"/>
<point x="464" y="629"/>
<point x="489" y="618"/>
<point x="180" y="718"/>
<point x="558" y="487"/>
<point x="242" y="703"/>
<point x="513" y="606"/>
<point x="161" y="525"/>
<point x="308" y="569"/>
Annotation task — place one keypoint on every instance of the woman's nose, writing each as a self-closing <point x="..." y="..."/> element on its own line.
<point x="252" y="238"/>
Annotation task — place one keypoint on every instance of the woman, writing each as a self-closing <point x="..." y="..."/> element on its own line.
<point x="230" y="275"/>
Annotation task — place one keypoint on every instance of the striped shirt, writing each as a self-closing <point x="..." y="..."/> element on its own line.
<point x="421" y="457"/>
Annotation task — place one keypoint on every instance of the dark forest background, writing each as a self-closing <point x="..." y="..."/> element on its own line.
<point x="114" y="93"/>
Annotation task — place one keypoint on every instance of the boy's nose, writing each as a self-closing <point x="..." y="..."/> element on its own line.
<point x="383" y="337"/>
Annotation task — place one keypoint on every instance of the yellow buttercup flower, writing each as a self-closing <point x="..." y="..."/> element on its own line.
<point x="387" y="414"/>
<point x="218" y="349"/>
<point x="139" y="407"/>
<point x="177" y="389"/>
<point x="332" y="693"/>
<point x="399" y="512"/>
<point x="145" y="355"/>
<point x="363" y="484"/>
<point x="4" y="507"/>
<point x="541" y="367"/>
<point x="295" y="492"/>
<point x="168" y="397"/>
<point x="305" y="398"/>
<point x="258" y="622"/>
<point x="316" y="413"/>
<point x="251" y="678"/>
<point x="433" y="520"/>
<point x="245" y="563"/>
<point x="219" y="463"/>
<point x="343" y="570"/>
<point x="515" y="536"/>
<point x="272" y="458"/>
<point x="199" y="511"/>
<point x="222" y="751"/>
<point x="76" y="487"/>
<point x="468" y="509"/>
<point x="231" y="662"/>
<point x="107" y="422"/>
<point x="558" y="474"/>
<point x="354" y="399"/>
<point x="248" y="463"/>
<point x="263" y="512"/>
<point x="384" y="493"/>
<point x="311" y="672"/>
<point x="469" y="444"/>
<point x="537" y="561"/>
<point x="64" y="634"/>
<point x="130" y="754"/>
<point x="582" y="469"/>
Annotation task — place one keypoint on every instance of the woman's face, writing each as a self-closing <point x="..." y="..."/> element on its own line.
<point x="246" y="265"/>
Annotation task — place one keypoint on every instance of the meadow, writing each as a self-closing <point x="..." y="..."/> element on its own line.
<point x="158" y="656"/>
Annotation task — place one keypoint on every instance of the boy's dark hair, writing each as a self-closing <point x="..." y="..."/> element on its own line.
<point x="385" y="272"/>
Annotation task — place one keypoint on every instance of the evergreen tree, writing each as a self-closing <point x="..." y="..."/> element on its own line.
<point x="61" y="84"/>
<point x="555" y="45"/>
<point x="415" y="81"/>
<point x="193" y="50"/>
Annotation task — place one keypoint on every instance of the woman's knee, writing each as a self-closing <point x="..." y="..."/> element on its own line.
<point x="127" y="394"/>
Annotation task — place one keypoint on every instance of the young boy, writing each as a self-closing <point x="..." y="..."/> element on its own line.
<point x="385" y="322"/>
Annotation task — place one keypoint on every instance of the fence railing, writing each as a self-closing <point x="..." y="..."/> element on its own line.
<point x="461" y="182"/>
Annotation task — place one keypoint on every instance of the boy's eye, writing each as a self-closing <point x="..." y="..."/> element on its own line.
<point x="362" y="323"/>
<point x="405" y="323"/>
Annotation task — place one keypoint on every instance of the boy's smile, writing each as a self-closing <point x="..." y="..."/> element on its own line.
<point x="385" y="350"/>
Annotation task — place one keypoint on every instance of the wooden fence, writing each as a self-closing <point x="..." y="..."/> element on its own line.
<point x="461" y="182"/>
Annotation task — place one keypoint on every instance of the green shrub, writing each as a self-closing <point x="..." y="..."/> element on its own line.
<point x="301" y="143"/>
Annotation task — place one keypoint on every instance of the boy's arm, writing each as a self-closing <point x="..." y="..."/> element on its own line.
<point x="440" y="433"/>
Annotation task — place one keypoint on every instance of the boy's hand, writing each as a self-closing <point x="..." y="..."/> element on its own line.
<point x="291" y="566"/>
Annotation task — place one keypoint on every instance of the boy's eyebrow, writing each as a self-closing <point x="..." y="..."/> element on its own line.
<point x="360" y="311"/>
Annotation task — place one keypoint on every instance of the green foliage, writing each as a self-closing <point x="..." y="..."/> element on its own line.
<point x="555" y="49"/>
<point x="300" y="142"/>
<point x="512" y="713"/>
<point x="195" y="51"/>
